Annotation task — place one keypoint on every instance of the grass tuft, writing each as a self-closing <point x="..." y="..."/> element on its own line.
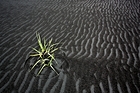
<point x="45" y="54"/>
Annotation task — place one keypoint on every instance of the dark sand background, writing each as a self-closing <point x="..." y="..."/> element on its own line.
<point x="101" y="40"/>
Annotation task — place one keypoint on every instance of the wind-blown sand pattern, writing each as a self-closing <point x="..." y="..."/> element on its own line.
<point x="101" y="40"/>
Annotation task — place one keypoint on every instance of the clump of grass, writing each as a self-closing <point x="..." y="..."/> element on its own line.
<point x="45" y="54"/>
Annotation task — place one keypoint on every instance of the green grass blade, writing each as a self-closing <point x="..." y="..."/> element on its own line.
<point x="45" y="53"/>
<point x="41" y="69"/>
<point x="54" y="50"/>
<point x="33" y="55"/>
<point x="44" y="45"/>
<point x="35" y="65"/>
<point x="52" y="56"/>
<point x="39" y="42"/>
<point x="54" y="70"/>
<point x="36" y="50"/>
<point x="54" y="45"/>
<point x="50" y="42"/>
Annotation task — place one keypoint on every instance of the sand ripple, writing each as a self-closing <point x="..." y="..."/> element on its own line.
<point x="101" y="40"/>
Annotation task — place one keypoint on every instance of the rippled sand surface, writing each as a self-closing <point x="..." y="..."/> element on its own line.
<point x="101" y="40"/>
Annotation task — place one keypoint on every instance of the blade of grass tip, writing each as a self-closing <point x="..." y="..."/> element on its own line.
<point x="41" y="69"/>
<point x="37" y="36"/>
<point x="54" y="69"/>
<point x="39" y="42"/>
<point x="30" y="47"/>
<point x="36" y="50"/>
<point x="33" y="55"/>
<point x="35" y="65"/>
<point x="44" y="44"/>
<point x="50" y="42"/>
<point x="54" y="44"/>
<point x="54" y="50"/>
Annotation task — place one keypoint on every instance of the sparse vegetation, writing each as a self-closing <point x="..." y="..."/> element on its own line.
<point x="45" y="54"/>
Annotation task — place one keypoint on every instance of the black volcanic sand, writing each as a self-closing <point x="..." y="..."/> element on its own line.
<point x="100" y="40"/>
